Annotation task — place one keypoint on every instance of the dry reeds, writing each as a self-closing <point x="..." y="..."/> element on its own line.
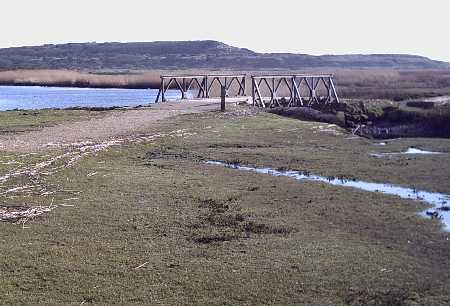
<point x="374" y="83"/>
<point x="68" y="78"/>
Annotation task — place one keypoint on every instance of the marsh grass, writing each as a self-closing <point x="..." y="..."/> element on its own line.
<point x="147" y="229"/>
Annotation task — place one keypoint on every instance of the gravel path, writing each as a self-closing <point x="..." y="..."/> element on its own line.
<point x="115" y="124"/>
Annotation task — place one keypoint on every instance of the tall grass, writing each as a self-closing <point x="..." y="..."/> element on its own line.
<point x="69" y="78"/>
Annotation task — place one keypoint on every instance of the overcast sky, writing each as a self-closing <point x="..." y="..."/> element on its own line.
<point x="314" y="27"/>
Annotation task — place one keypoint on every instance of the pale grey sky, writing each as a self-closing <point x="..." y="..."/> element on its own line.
<point x="313" y="27"/>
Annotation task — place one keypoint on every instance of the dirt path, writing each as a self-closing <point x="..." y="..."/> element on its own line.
<point x="115" y="124"/>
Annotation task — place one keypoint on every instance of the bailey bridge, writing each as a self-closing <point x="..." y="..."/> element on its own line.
<point x="287" y="90"/>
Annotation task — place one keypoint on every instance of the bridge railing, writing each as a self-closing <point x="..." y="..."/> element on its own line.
<point x="206" y="86"/>
<point x="293" y="90"/>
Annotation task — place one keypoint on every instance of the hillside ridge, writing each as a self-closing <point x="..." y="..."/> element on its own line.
<point x="207" y="54"/>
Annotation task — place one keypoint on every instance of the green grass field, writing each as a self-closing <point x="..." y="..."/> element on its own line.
<point x="152" y="224"/>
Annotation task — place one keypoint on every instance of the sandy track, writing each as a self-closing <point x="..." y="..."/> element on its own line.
<point x="115" y="124"/>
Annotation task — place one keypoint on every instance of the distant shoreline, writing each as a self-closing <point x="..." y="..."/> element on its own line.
<point x="67" y="85"/>
<point x="391" y="84"/>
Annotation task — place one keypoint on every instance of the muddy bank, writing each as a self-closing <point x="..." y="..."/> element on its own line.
<point x="389" y="130"/>
<point x="380" y="119"/>
<point x="309" y="114"/>
<point x="384" y="120"/>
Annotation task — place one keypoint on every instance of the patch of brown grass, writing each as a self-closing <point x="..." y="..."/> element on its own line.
<point x="68" y="78"/>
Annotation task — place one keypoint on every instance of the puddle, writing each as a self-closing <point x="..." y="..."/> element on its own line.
<point x="410" y="151"/>
<point x="419" y="151"/>
<point x="439" y="201"/>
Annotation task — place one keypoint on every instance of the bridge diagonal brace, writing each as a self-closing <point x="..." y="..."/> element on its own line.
<point x="297" y="98"/>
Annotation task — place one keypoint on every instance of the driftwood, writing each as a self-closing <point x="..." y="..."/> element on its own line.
<point x="21" y="214"/>
<point x="74" y="152"/>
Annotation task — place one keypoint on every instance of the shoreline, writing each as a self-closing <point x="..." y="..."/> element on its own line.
<point x="392" y="84"/>
<point x="79" y="85"/>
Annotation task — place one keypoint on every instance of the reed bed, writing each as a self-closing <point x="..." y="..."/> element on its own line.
<point x="351" y="83"/>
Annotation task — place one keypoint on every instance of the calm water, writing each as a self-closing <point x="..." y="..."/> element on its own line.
<point x="35" y="97"/>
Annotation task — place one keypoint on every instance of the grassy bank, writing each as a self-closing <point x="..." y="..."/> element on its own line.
<point x="17" y="121"/>
<point x="387" y="119"/>
<point x="152" y="224"/>
<point x="380" y="119"/>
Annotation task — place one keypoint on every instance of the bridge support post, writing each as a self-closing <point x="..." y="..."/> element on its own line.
<point x="223" y="95"/>
<point x="163" y="90"/>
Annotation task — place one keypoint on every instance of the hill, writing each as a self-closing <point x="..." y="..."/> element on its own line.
<point x="190" y="55"/>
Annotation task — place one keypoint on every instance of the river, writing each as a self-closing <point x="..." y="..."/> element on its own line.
<point x="36" y="97"/>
